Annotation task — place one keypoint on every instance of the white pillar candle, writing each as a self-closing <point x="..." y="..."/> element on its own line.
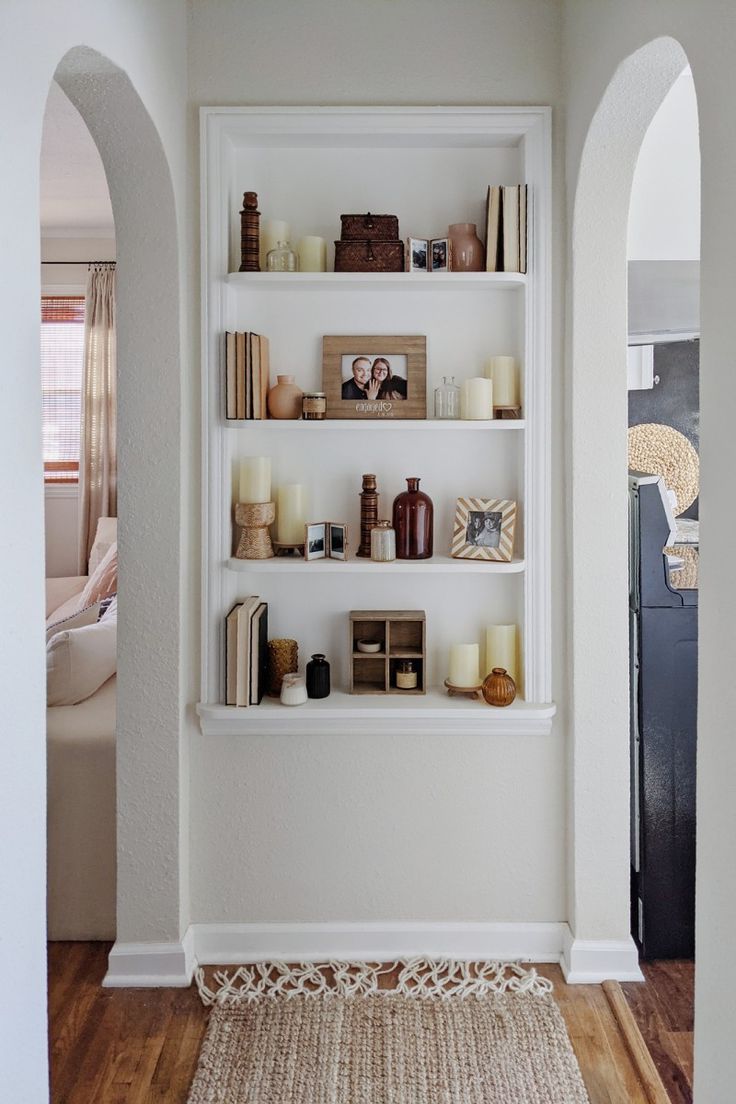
<point x="476" y="399"/>
<point x="312" y="254"/>
<point x="291" y="513"/>
<point x="464" y="665"/>
<point x="255" y="479"/>
<point x="502" y="649"/>
<point x="504" y="372"/>
<point x="272" y="232"/>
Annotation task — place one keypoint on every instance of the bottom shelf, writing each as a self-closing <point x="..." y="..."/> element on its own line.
<point x="433" y="713"/>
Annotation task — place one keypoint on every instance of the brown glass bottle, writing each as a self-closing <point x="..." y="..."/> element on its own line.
<point x="414" y="523"/>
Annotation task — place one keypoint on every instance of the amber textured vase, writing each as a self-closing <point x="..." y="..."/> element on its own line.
<point x="499" y="688"/>
<point x="414" y="523"/>
<point x="468" y="253"/>
<point x="285" y="399"/>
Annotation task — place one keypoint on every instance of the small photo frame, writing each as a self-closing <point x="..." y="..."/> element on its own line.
<point x="484" y="529"/>
<point x="326" y="540"/>
<point x="375" y="377"/>
<point x="417" y="255"/>
<point x="439" y="255"/>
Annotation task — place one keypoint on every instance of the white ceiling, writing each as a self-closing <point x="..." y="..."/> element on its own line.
<point x="75" y="201"/>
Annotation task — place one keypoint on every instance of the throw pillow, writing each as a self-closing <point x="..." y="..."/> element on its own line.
<point x="87" y="616"/>
<point x="79" y="661"/>
<point x="105" y="535"/>
<point x="104" y="580"/>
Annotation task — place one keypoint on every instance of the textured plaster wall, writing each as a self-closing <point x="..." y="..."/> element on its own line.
<point x="374" y="828"/>
<point x="598" y="37"/>
<point x="147" y="41"/>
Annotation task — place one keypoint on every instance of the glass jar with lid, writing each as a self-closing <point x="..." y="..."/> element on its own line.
<point x="406" y="675"/>
<point x="383" y="542"/>
<point x="447" y="399"/>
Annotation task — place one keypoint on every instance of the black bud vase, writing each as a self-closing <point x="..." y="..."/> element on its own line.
<point x="318" y="677"/>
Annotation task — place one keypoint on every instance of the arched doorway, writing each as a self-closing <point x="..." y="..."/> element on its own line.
<point x="599" y="644"/>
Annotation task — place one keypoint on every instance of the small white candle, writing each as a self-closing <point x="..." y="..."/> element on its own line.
<point x="312" y="254"/>
<point x="272" y="232"/>
<point x="464" y="665"/>
<point x="504" y="372"/>
<point x="502" y="649"/>
<point x="291" y="513"/>
<point x="255" y="479"/>
<point x="476" y="399"/>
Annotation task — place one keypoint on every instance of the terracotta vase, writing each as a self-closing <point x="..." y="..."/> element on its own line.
<point x="414" y="523"/>
<point x="285" y="399"/>
<point x="468" y="254"/>
<point x="499" y="688"/>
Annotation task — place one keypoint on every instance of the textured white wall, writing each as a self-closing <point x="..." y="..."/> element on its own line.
<point x="598" y="37"/>
<point x="664" y="216"/>
<point x="148" y="41"/>
<point x="375" y="829"/>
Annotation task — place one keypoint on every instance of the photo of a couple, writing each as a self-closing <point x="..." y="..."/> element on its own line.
<point x="373" y="379"/>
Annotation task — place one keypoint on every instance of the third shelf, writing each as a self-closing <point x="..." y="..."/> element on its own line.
<point x="435" y="565"/>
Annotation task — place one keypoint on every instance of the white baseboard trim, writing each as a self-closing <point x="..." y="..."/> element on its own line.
<point x="591" y="961"/>
<point x="151" y="965"/>
<point x="227" y="944"/>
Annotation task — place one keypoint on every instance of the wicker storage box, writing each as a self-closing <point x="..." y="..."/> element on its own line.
<point x="369" y="227"/>
<point x="369" y="256"/>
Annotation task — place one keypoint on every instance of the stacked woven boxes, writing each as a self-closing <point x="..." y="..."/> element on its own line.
<point x="369" y="243"/>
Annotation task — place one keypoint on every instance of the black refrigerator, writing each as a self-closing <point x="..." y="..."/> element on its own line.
<point x="664" y="691"/>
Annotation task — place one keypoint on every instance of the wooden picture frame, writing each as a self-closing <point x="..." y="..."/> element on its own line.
<point x="325" y="540"/>
<point x="484" y="529"/>
<point x="349" y="376"/>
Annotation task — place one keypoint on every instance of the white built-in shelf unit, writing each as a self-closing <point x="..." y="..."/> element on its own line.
<point x="431" y="167"/>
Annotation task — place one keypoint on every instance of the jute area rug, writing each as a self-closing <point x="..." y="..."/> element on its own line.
<point x="442" y="1033"/>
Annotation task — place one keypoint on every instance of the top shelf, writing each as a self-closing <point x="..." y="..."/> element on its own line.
<point x="506" y="281"/>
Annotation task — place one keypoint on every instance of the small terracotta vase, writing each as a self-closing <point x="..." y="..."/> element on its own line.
<point x="468" y="254"/>
<point x="285" y="399"/>
<point x="499" y="688"/>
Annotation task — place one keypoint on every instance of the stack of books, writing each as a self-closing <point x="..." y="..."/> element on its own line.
<point x="506" y="229"/>
<point x="246" y="375"/>
<point x="246" y="628"/>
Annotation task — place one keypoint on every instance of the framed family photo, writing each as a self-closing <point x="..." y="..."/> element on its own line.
<point x="375" y="377"/>
<point x="484" y="529"/>
<point x="326" y="540"/>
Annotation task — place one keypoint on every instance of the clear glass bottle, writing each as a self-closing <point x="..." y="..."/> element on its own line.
<point x="282" y="258"/>
<point x="447" y="399"/>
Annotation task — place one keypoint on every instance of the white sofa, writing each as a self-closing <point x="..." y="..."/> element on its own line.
<point x="81" y="805"/>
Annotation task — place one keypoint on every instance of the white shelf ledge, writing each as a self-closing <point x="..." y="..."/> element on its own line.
<point x="436" y="565"/>
<point x="390" y="714"/>
<point x="503" y="281"/>
<point x="379" y="425"/>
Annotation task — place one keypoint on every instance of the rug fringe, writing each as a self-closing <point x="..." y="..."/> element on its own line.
<point x="424" y="978"/>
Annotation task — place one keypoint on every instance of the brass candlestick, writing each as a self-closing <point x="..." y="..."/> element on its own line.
<point x="368" y="514"/>
<point x="250" y="218"/>
<point x="255" y="539"/>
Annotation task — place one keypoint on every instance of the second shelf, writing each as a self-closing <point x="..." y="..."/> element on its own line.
<point x="435" y="565"/>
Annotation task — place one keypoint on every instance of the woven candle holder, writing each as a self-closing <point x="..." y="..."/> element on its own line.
<point x="255" y="539"/>
<point x="283" y="659"/>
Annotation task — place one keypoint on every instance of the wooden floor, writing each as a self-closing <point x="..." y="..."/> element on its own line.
<point x="663" y="1010"/>
<point x="140" y="1046"/>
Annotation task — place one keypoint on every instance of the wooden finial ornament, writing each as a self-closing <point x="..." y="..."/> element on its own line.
<point x="250" y="218"/>
<point x="368" y="514"/>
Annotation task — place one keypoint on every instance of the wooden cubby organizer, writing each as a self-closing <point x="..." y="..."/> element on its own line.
<point x="431" y="167"/>
<point x="401" y="635"/>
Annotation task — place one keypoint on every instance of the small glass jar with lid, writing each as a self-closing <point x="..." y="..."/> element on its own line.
<point x="447" y="399"/>
<point x="314" y="406"/>
<point x="282" y="258"/>
<point x="406" y="675"/>
<point x="383" y="542"/>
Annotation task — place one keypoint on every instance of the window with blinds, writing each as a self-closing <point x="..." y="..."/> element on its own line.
<point x="62" y="355"/>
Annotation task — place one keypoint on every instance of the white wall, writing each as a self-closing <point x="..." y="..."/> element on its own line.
<point x="147" y="40"/>
<point x="373" y="842"/>
<point x="61" y="519"/>
<point x="598" y="37"/>
<point x="664" y="216"/>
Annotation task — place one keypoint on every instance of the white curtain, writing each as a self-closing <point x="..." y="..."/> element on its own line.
<point x="98" y="476"/>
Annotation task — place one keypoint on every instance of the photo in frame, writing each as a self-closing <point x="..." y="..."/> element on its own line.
<point x="416" y="253"/>
<point x="484" y="529"/>
<point x="375" y="377"/>
<point x="326" y="540"/>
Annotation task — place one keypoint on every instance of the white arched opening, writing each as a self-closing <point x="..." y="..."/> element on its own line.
<point x="599" y="645"/>
<point x="149" y="712"/>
